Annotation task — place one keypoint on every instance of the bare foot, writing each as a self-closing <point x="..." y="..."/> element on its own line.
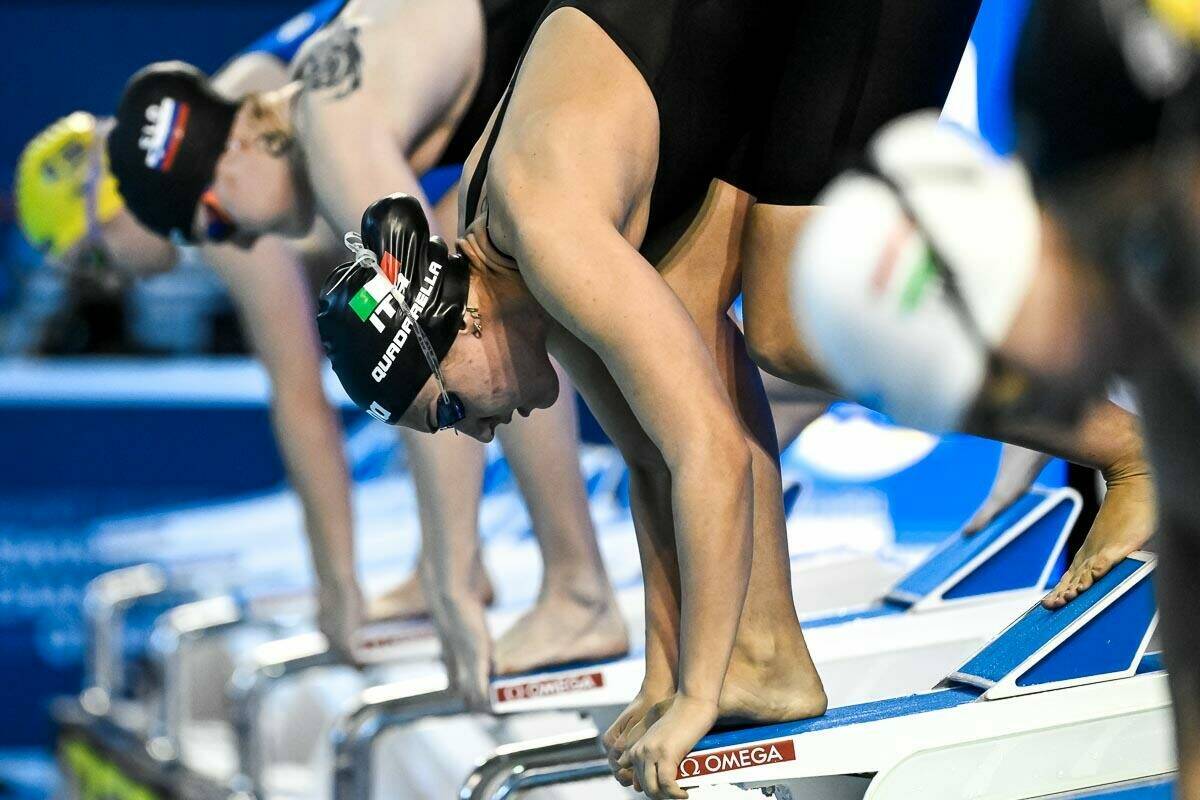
<point x="1124" y="523"/>
<point x="406" y="601"/>
<point x="780" y="688"/>
<point x="1016" y="472"/>
<point x="561" y="628"/>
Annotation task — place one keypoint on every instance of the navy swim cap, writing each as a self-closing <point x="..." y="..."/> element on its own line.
<point x="171" y="128"/>
<point x="370" y="341"/>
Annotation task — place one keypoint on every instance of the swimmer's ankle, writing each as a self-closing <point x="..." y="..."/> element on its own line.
<point x="585" y="589"/>
<point x="765" y="647"/>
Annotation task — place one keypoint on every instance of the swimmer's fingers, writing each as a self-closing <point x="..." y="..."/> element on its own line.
<point x="614" y="736"/>
<point x="655" y="768"/>
<point x="1016" y="472"/>
<point x="1078" y="579"/>
<point x="629" y="727"/>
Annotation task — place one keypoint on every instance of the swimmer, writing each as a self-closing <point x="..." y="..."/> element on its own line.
<point x="69" y="206"/>
<point x="362" y="116"/>
<point x="1028" y="314"/>
<point x="1114" y="147"/>
<point x="792" y="159"/>
<point x="594" y="230"/>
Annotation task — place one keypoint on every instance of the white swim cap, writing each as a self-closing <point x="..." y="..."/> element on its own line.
<point x="865" y="292"/>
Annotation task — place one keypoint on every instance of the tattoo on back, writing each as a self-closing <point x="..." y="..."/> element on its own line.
<point x="333" y="62"/>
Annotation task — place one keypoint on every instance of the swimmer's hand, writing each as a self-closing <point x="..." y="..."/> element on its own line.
<point x="340" y="613"/>
<point x="645" y="710"/>
<point x="466" y="648"/>
<point x="656" y="756"/>
<point x="1016" y="472"/>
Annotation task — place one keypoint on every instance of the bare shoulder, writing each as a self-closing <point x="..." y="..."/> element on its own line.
<point x="388" y="44"/>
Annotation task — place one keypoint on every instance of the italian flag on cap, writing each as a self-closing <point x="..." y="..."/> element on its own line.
<point x="369" y="296"/>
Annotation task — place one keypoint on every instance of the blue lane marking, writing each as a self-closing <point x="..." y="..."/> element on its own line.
<point x="1020" y="563"/>
<point x="886" y="608"/>
<point x="1160" y="788"/>
<point x="1151" y="662"/>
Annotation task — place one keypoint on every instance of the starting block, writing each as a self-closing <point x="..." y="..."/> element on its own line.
<point x="1060" y="701"/>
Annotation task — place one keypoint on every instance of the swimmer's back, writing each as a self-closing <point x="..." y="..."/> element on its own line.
<point x="387" y="73"/>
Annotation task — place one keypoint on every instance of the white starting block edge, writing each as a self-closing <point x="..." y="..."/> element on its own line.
<point x="932" y="584"/>
<point x="1110" y="729"/>
<point x="606" y="684"/>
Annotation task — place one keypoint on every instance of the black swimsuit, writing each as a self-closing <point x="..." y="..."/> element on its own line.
<point x="772" y="96"/>
<point x="690" y="54"/>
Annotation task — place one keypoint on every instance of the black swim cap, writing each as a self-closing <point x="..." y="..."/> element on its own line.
<point x="171" y="127"/>
<point x="375" y="352"/>
<point x="1091" y="81"/>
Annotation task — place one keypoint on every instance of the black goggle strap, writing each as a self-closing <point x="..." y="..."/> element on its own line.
<point x="942" y="265"/>
<point x="1008" y="385"/>
<point x="363" y="255"/>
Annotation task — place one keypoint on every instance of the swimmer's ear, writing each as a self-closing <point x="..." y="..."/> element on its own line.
<point x="395" y="225"/>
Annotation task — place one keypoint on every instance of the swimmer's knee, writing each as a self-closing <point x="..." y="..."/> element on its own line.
<point x="773" y="346"/>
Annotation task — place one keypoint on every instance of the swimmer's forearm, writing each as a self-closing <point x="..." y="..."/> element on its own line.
<point x="713" y="510"/>
<point x="1108" y="438"/>
<point x="310" y="442"/>
<point x="267" y="286"/>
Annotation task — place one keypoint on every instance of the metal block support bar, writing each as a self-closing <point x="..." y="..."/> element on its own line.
<point x="106" y="601"/>
<point x="538" y="777"/>
<point x="512" y="766"/>
<point x="379" y="709"/>
<point x="175" y="633"/>
<point x="249" y="688"/>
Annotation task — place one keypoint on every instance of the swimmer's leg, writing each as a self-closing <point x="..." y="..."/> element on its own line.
<point x="1108" y="439"/>
<point x="793" y="407"/>
<point x="771" y="675"/>
<point x="771" y="334"/>
<point x="576" y="617"/>
<point x="448" y="473"/>
<point x="445" y="474"/>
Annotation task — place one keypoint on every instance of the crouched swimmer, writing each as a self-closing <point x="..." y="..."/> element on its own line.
<point x="362" y="116"/>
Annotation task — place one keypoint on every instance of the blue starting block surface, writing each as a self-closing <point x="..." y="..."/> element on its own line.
<point x="1022" y="548"/>
<point x="1116" y="628"/>
<point x="1032" y="558"/>
<point x="1101" y="632"/>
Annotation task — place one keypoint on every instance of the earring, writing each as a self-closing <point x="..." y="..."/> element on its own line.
<point x="475" y="320"/>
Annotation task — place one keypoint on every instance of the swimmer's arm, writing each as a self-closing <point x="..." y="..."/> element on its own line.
<point x="276" y="309"/>
<point x="354" y="183"/>
<point x="617" y="305"/>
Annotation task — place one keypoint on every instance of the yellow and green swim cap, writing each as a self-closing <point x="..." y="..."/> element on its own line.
<point x="52" y="178"/>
